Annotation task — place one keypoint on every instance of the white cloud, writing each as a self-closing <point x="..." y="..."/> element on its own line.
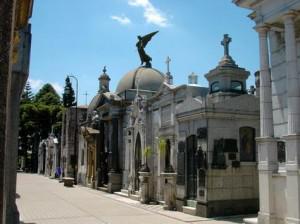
<point x="123" y="20"/>
<point x="151" y="14"/>
<point x="36" y="85"/>
<point x="59" y="89"/>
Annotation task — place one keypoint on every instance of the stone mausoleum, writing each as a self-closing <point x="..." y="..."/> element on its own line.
<point x="189" y="147"/>
<point x="278" y="27"/>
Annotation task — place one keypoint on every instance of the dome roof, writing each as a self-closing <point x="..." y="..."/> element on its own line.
<point x="147" y="79"/>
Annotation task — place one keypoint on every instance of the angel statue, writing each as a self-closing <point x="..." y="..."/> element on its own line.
<point x="141" y="44"/>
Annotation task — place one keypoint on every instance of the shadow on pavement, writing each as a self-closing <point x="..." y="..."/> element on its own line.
<point x="27" y="222"/>
<point x="235" y="219"/>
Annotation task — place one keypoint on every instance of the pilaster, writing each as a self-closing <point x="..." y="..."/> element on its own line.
<point x="267" y="165"/>
<point x="292" y="178"/>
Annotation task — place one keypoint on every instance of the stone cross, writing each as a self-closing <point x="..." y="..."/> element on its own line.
<point x="225" y="42"/>
<point x="168" y="64"/>
<point x="86" y="94"/>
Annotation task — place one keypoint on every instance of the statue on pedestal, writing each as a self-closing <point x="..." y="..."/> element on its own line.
<point x="141" y="44"/>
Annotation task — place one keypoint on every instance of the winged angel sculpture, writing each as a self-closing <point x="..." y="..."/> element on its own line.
<point x="141" y="44"/>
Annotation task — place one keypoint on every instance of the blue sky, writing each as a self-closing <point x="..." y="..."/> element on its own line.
<point x="80" y="37"/>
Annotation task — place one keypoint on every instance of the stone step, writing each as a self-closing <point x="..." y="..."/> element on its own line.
<point x="125" y="191"/>
<point x="250" y="220"/>
<point x="135" y="197"/>
<point x="191" y="203"/>
<point x="161" y="202"/>
<point x="189" y="210"/>
<point x="104" y="189"/>
<point x="120" y="193"/>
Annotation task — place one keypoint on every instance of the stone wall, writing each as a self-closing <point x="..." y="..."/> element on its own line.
<point x="7" y="9"/>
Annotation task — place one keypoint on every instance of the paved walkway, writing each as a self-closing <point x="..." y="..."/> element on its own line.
<point x="41" y="200"/>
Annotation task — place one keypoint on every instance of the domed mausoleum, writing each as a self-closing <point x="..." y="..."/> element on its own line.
<point x="144" y="79"/>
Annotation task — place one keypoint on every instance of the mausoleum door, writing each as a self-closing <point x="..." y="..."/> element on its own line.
<point x="138" y="161"/>
<point x="191" y="167"/>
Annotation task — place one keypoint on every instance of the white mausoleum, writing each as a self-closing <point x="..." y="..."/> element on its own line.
<point x="278" y="29"/>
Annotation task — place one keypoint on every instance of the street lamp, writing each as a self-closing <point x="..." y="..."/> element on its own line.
<point x="76" y="129"/>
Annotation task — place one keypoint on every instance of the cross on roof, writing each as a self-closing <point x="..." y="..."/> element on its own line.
<point x="168" y="60"/>
<point x="225" y="42"/>
<point x="86" y="94"/>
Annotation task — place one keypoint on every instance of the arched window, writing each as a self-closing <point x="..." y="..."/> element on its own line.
<point x="214" y="87"/>
<point x="247" y="144"/>
<point x="236" y="86"/>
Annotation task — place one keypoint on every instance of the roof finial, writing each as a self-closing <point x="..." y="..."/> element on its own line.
<point x="168" y="60"/>
<point x="225" y="42"/>
<point x="168" y="77"/>
<point x="104" y="69"/>
<point x="227" y="59"/>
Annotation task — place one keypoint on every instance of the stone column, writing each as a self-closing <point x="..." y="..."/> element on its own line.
<point x="266" y="114"/>
<point x="114" y="177"/>
<point x="267" y="156"/>
<point x="293" y="90"/>
<point x="293" y="138"/>
<point x="7" y="9"/>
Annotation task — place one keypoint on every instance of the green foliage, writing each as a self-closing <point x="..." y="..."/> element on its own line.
<point x="47" y="95"/>
<point x="38" y="116"/>
<point x="68" y="95"/>
<point x="162" y="143"/>
<point x="27" y="95"/>
<point x="147" y="151"/>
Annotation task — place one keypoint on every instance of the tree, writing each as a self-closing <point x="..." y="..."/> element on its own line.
<point x="27" y="95"/>
<point x="47" y="95"/>
<point x="68" y="95"/>
<point x="39" y="117"/>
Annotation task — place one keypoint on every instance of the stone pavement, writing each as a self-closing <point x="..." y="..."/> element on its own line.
<point x="41" y="200"/>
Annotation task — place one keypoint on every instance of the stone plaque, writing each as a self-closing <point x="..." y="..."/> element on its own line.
<point x="235" y="164"/>
<point x="231" y="156"/>
<point x="202" y="133"/>
<point x="247" y="144"/>
<point x="202" y="178"/>
<point x="219" y="161"/>
<point x="230" y="145"/>
<point x="281" y="151"/>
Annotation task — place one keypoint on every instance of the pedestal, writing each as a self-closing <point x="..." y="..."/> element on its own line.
<point x="292" y="178"/>
<point x="268" y="165"/>
<point x="144" y="187"/>
<point x="114" y="182"/>
<point x="169" y="190"/>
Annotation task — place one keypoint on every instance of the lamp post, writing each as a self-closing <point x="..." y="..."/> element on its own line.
<point x="76" y="131"/>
